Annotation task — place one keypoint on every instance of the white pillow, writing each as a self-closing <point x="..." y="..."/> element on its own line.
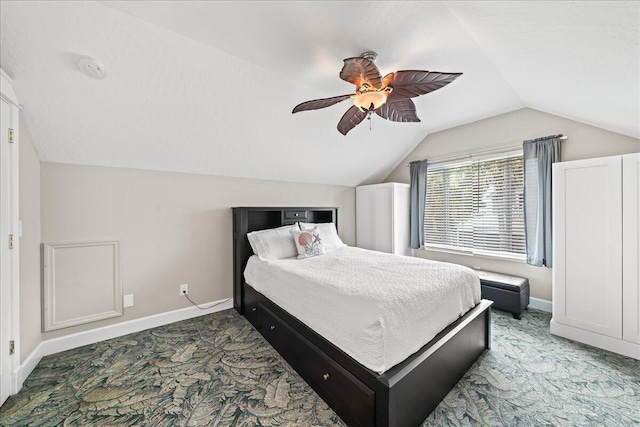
<point x="308" y="242"/>
<point x="274" y="243"/>
<point x="328" y="233"/>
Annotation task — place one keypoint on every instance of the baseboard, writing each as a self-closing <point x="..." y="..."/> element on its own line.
<point x="540" y="304"/>
<point x="68" y="342"/>
<point x="626" y="348"/>
<point x="24" y="370"/>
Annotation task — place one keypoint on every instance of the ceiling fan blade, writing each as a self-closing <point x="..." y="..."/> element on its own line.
<point x="412" y="83"/>
<point x="317" y="104"/>
<point x="360" y="70"/>
<point x="351" y="119"/>
<point x="402" y="110"/>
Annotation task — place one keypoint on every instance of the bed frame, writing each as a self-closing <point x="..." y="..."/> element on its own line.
<point x="402" y="396"/>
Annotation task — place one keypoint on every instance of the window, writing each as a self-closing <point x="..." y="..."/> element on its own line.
<point x="476" y="206"/>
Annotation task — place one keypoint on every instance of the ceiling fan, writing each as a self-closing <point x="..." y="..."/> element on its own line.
<point x="389" y="97"/>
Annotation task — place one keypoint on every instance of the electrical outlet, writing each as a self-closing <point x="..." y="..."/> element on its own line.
<point x="184" y="289"/>
<point x="128" y="300"/>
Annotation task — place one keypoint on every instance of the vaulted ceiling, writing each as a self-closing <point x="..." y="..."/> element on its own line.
<point x="208" y="87"/>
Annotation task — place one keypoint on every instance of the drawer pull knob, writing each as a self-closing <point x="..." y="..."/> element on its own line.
<point x="325" y="376"/>
<point x="254" y="309"/>
<point x="272" y="327"/>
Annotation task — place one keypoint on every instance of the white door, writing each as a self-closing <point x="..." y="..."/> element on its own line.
<point x="587" y="271"/>
<point x="631" y="248"/>
<point x="5" y="270"/>
<point x="400" y="232"/>
<point x="364" y="218"/>
<point x="383" y="218"/>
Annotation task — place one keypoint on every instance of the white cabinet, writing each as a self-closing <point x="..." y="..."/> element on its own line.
<point x="595" y="268"/>
<point x="382" y="217"/>
<point x="631" y="248"/>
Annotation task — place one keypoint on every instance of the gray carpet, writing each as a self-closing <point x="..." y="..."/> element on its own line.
<point x="216" y="370"/>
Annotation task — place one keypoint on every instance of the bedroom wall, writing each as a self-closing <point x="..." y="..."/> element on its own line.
<point x="29" y="206"/>
<point x="175" y="228"/>
<point x="507" y="130"/>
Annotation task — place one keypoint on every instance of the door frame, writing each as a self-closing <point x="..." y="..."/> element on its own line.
<point x="10" y="283"/>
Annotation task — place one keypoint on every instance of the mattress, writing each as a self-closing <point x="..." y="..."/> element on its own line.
<point x="376" y="307"/>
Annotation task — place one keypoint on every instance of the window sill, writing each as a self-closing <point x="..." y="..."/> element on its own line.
<point x="473" y="255"/>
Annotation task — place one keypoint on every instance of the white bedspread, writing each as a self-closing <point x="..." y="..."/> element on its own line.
<point x="376" y="307"/>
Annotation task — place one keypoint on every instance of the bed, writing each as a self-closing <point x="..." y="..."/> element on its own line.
<point x="387" y="389"/>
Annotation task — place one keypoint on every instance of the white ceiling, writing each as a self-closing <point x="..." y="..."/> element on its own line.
<point x="208" y="87"/>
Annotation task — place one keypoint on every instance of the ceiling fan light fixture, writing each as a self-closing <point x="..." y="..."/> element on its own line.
<point x="364" y="100"/>
<point x="389" y="97"/>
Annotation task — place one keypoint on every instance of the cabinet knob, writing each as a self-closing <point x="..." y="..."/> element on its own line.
<point x="296" y="214"/>
<point x="254" y="309"/>
<point x="273" y="327"/>
<point x="325" y="377"/>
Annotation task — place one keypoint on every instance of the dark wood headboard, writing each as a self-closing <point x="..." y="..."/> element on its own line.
<point x="248" y="219"/>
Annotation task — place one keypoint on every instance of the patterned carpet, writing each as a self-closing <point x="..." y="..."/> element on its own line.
<point x="216" y="370"/>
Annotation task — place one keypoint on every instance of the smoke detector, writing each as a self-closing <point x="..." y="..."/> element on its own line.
<point x="91" y="67"/>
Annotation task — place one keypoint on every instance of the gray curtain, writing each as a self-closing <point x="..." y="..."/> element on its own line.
<point x="539" y="155"/>
<point x="418" y="190"/>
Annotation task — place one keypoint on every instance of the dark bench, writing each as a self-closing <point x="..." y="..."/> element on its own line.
<point x="508" y="293"/>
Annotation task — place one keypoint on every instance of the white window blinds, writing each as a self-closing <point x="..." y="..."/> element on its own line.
<point x="476" y="206"/>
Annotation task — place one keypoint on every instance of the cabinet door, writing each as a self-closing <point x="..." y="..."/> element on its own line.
<point x="401" y="240"/>
<point x="383" y="218"/>
<point x="587" y="272"/>
<point x="630" y="248"/>
<point x="364" y="218"/>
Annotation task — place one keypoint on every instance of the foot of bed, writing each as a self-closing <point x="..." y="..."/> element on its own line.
<point x="414" y="389"/>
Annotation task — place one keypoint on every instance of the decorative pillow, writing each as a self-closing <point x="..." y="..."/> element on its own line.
<point x="274" y="243"/>
<point x="308" y="243"/>
<point x="328" y="233"/>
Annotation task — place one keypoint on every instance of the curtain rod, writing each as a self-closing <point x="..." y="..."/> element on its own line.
<point x="480" y="153"/>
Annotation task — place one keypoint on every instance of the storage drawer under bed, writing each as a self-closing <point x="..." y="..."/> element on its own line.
<point x="352" y="400"/>
<point x="251" y="301"/>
